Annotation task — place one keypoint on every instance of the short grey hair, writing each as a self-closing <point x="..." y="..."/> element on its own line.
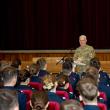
<point x="82" y="36"/>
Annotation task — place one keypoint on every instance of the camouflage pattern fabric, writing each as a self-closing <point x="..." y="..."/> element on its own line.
<point x="85" y="54"/>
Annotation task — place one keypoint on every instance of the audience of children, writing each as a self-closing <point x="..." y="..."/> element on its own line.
<point x="85" y="90"/>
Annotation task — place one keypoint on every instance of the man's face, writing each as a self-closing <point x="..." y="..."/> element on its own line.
<point x="82" y="41"/>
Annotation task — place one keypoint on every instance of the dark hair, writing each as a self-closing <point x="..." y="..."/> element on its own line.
<point x="8" y="73"/>
<point x="87" y="88"/>
<point x="66" y="67"/>
<point x="41" y="63"/>
<point x="33" y="69"/>
<point x="16" y="62"/>
<point x="23" y="75"/>
<point x="69" y="59"/>
<point x="39" y="100"/>
<point x="95" y="63"/>
<point x="71" y="105"/>
<point x="8" y="99"/>
<point x="61" y="79"/>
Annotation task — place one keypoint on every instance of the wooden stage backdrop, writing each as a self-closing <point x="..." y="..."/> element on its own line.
<point x="52" y="57"/>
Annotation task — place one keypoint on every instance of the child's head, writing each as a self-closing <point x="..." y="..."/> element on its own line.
<point x="39" y="101"/>
<point x="62" y="80"/>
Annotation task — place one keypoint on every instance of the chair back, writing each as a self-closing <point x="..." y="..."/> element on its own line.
<point x="62" y="94"/>
<point x="38" y="86"/>
<point x="102" y="106"/>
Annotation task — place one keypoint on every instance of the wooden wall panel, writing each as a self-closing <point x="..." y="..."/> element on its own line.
<point x="52" y="58"/>
<point x="29" y="56"/>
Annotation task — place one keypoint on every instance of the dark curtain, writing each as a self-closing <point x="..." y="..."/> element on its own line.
<point x="54" y="24"/>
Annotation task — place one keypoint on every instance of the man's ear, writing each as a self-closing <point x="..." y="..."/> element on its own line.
<point x="30" y="104"/>
<point x="46" y="106"/>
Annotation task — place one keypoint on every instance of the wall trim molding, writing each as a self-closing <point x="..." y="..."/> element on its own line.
<point x="50" y="51"/>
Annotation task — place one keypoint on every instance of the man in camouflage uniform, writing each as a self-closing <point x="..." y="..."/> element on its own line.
<point x="83" y="54"/>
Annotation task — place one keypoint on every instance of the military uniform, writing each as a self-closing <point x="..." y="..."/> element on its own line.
<point x="84" y="54"/>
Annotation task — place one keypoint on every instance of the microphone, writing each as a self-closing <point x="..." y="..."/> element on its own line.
<point x="61" y="60"/>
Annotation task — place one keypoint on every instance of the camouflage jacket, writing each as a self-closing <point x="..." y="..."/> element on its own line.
<point x="85" y="54"/>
